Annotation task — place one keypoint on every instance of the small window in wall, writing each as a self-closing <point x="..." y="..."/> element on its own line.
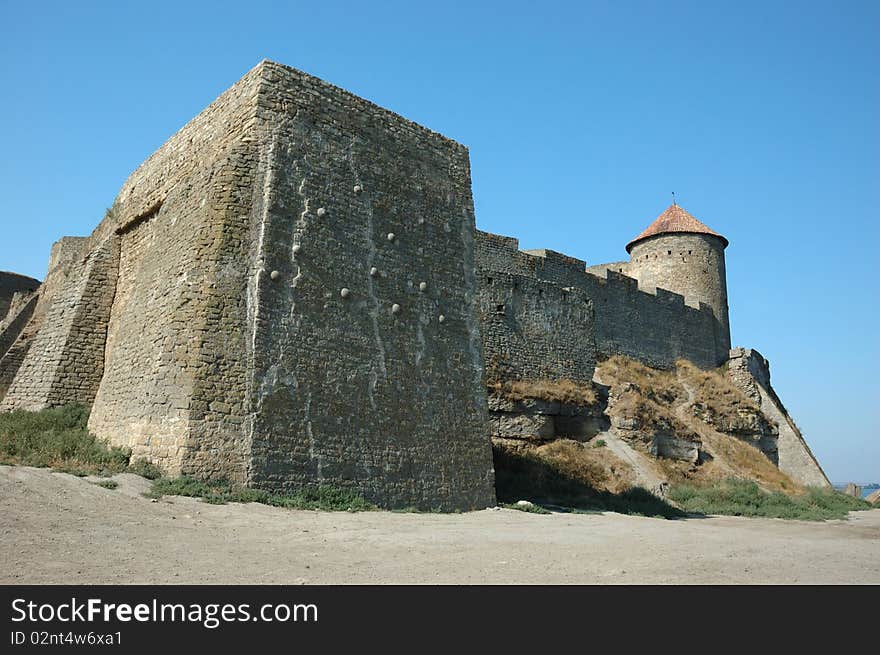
<point x="499" y="309"/>
<point x="668" y="252"/>
<point x="540" y="292"/>
<point x="689" y="252"/>
<point x="488" y="280"/>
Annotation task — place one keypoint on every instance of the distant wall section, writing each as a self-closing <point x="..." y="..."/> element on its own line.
<point x="12" y="283"/>
<point x="654" y="327"/>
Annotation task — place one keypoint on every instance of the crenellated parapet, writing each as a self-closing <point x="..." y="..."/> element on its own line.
<point x="655" y="325"/>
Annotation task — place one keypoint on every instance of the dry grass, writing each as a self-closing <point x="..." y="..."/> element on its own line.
<point x="572" y="474"/>
<point x="733" y="457"/>
<point x="719" y="402"/>
<point x="597" y="467"/>
<point x="659" y="386"/>
<point x="564" y="391"/>
<point x="714" y="388"/>
<point x="651" y="416"/>
<point x="659" y="399"/>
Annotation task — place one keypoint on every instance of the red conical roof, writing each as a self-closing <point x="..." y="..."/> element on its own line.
<point x="675" y="219"/>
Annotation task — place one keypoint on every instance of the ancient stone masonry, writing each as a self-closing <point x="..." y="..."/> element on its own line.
<point x="655" y="327"/>
<point x="65" y="363"/>
<point x="751" y="373"/>
<point x="289" y="300"/>
<point x="12" y="284"/>
<point x="291" y="292"/>
<point x="535" y="330"/>
<point x="21" y="310"/>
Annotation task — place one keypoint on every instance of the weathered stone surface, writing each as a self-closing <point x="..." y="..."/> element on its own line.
<point x="652" y="325"/>
<point x="66" y="362"/>
<point x="12" y="284"/>
<point x="748" y="424"/>
<point x="671" y="446"/>
<point x="873" y="497"/>
<point x="209" y="368"/>
<point x="291" y="291"/>
<point x="853" y="490"/>
<point x="751" y="373"/>
<point x="532" y="427"/>
<point x="534" y="330"/>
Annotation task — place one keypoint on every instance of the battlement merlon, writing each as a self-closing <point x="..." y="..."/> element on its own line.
<point x="549" y="265"/>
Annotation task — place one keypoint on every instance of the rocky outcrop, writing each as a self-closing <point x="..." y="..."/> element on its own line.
<point x="874" y="497"/>
<point x="746" y="423"/>
<point x="649" y="426"/>
<point x="748" y="370"/>
<point x="535" y="420"/>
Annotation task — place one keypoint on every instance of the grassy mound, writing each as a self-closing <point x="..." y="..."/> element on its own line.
<point x="737" y="497"/>
<point x="57" y="438"/>
<point x="219" y="492"/>
<point x="564" y="391"/>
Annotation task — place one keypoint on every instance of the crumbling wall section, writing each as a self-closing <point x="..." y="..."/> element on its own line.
<point x="750" y="371"/>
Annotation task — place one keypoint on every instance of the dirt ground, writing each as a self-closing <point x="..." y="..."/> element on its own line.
<point x="55" y="528"/>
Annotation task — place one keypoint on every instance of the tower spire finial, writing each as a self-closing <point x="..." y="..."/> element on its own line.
<point x="673" y="200"/>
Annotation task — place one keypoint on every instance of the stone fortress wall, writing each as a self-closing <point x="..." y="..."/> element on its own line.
<point x="282" y="295"/>
<point x="655" y="326"/>
<point x="291" y="291"/>
<point x="12" y="284"/>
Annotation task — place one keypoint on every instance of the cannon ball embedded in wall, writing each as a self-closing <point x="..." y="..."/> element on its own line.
<point x="274" y="275"/>
<point x="296" y="249"/>
<point x="441" y="318"/>
<point x="344" y="292"/>
<point x="358" y="188"/>
<point x="395" y="308"/>
<point x="321" y="211"/>
<point x="391" y="236"/>
<point x="374" y="272"/>
<point x="423" y="286"/>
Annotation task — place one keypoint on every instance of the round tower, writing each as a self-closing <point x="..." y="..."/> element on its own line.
<point x="678" y="253"/>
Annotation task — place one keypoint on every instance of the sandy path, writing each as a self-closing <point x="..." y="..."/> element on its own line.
<point x="55" y="528"/>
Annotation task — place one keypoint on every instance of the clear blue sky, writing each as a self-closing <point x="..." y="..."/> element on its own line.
<point x="581" y="118"/>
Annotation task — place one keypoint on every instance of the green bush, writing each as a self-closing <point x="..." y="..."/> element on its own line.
<point x="737" y="497"/>
<point x="57" y="438"/>
<point x="145" y="469"/>
<point x="219" y="492"/>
